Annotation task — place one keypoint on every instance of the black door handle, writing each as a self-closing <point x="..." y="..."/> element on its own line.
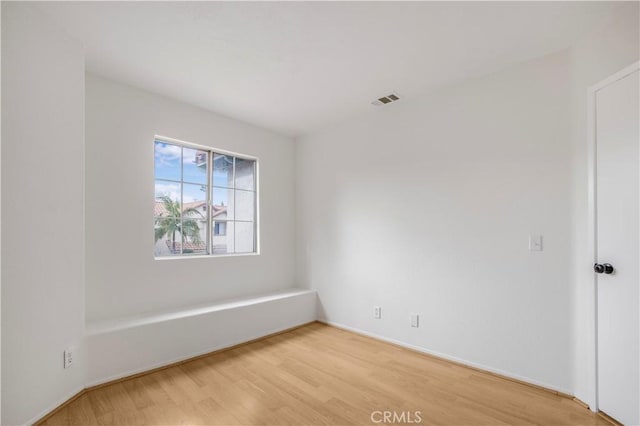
<point x="603" y="268"/>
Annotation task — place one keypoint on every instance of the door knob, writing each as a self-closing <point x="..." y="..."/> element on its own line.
<point x="601" y="268"/>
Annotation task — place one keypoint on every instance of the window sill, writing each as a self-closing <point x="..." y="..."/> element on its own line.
<point x="206" y="256"/>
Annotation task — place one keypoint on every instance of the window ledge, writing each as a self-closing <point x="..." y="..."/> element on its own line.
<point x="205" y="256"/>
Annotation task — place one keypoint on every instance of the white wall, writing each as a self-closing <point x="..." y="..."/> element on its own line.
<point x="0" y="225"/>
<point x="607" y="50"/>
<point x="425" y="206"/>
<point x="122" y="276"/>
<point x="42" y="234"/>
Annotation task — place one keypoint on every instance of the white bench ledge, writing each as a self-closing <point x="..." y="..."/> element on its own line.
<point x="112" y="325"/>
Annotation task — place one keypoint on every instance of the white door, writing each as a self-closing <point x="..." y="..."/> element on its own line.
<point x="617" y="244"/>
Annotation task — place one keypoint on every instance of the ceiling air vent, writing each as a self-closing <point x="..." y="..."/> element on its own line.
<point x="386" y="99"/>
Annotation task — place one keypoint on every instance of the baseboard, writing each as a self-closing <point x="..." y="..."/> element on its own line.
<point x="581" y="403"/>
<point x="604" y="416"/>
<point x="462" y="362"/>
<point x="45" y="414"/>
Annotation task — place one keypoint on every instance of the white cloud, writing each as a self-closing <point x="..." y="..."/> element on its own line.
<point x="171" y="190"/>
<point x="166" y="153"/>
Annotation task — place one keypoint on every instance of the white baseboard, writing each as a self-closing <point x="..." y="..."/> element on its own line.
<point x="449" y="357"/>
<point x="54" y="406"/>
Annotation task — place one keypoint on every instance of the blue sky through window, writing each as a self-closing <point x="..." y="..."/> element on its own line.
<point x="167" y="161"/>
<point x="176" y="163"/>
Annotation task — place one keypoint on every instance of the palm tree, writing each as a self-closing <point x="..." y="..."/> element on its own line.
<point x="171" y="224"/>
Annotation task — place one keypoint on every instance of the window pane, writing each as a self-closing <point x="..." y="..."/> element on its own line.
<point x="168" y="239"/>
<point x="194" y="219"/>
<point x="194" y="163"/>
<point x="222" y="170"/>
<point x="193" y="196"/>
<point x="223" y="244"/>
<point x="245" y="171"/>
<point x="167" y="199"/>
<point x="244" y="237"/>
<point x="194" y="237"/>
<point x="244" y="205"/>
<point x="222" y="204"/>
<point x="167" y="161"/>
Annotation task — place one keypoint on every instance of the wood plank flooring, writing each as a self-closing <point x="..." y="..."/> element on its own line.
<point x="320" y="375"/>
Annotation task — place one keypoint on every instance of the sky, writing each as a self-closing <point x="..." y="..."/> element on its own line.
<point x="172" y="160"/>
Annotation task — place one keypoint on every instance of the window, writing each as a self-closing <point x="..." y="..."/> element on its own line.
<point x="205" y="201"/>
<point x="220" y="228"/>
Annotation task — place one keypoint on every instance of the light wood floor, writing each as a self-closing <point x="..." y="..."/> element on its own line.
<point x="319" y="375"/>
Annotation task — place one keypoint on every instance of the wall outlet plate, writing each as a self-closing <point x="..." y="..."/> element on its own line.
<point x="415" y="320"/>
<point x="377" y="312"/>
<point x="68" y="357"/>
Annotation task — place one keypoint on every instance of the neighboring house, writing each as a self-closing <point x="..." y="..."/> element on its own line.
<point x="220" y="239"/>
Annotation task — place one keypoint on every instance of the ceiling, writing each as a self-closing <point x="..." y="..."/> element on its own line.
<point x="295" y="67"/>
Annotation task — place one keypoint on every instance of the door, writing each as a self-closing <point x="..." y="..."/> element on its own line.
<point x="617" y="248"/>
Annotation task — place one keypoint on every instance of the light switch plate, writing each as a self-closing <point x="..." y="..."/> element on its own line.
<point x="377" y="312"/>
<point x="535" y="242"/>
<point x="415" y="320"/>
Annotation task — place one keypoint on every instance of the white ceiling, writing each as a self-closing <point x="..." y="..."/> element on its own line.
<point x="296" y="67"/>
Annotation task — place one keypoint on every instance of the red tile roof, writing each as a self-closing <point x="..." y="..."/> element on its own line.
<point x="188" y="246"/>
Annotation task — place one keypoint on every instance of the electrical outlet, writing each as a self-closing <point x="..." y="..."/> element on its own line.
<point x="377" y="312"/>
<point x="415" y="320"/>
<point x="68" y="357"/>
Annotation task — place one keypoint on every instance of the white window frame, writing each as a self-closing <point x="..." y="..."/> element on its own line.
<point x="211" y="151"/>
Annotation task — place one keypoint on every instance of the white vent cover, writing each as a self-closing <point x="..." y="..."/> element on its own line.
<point x="386" y="99"/>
